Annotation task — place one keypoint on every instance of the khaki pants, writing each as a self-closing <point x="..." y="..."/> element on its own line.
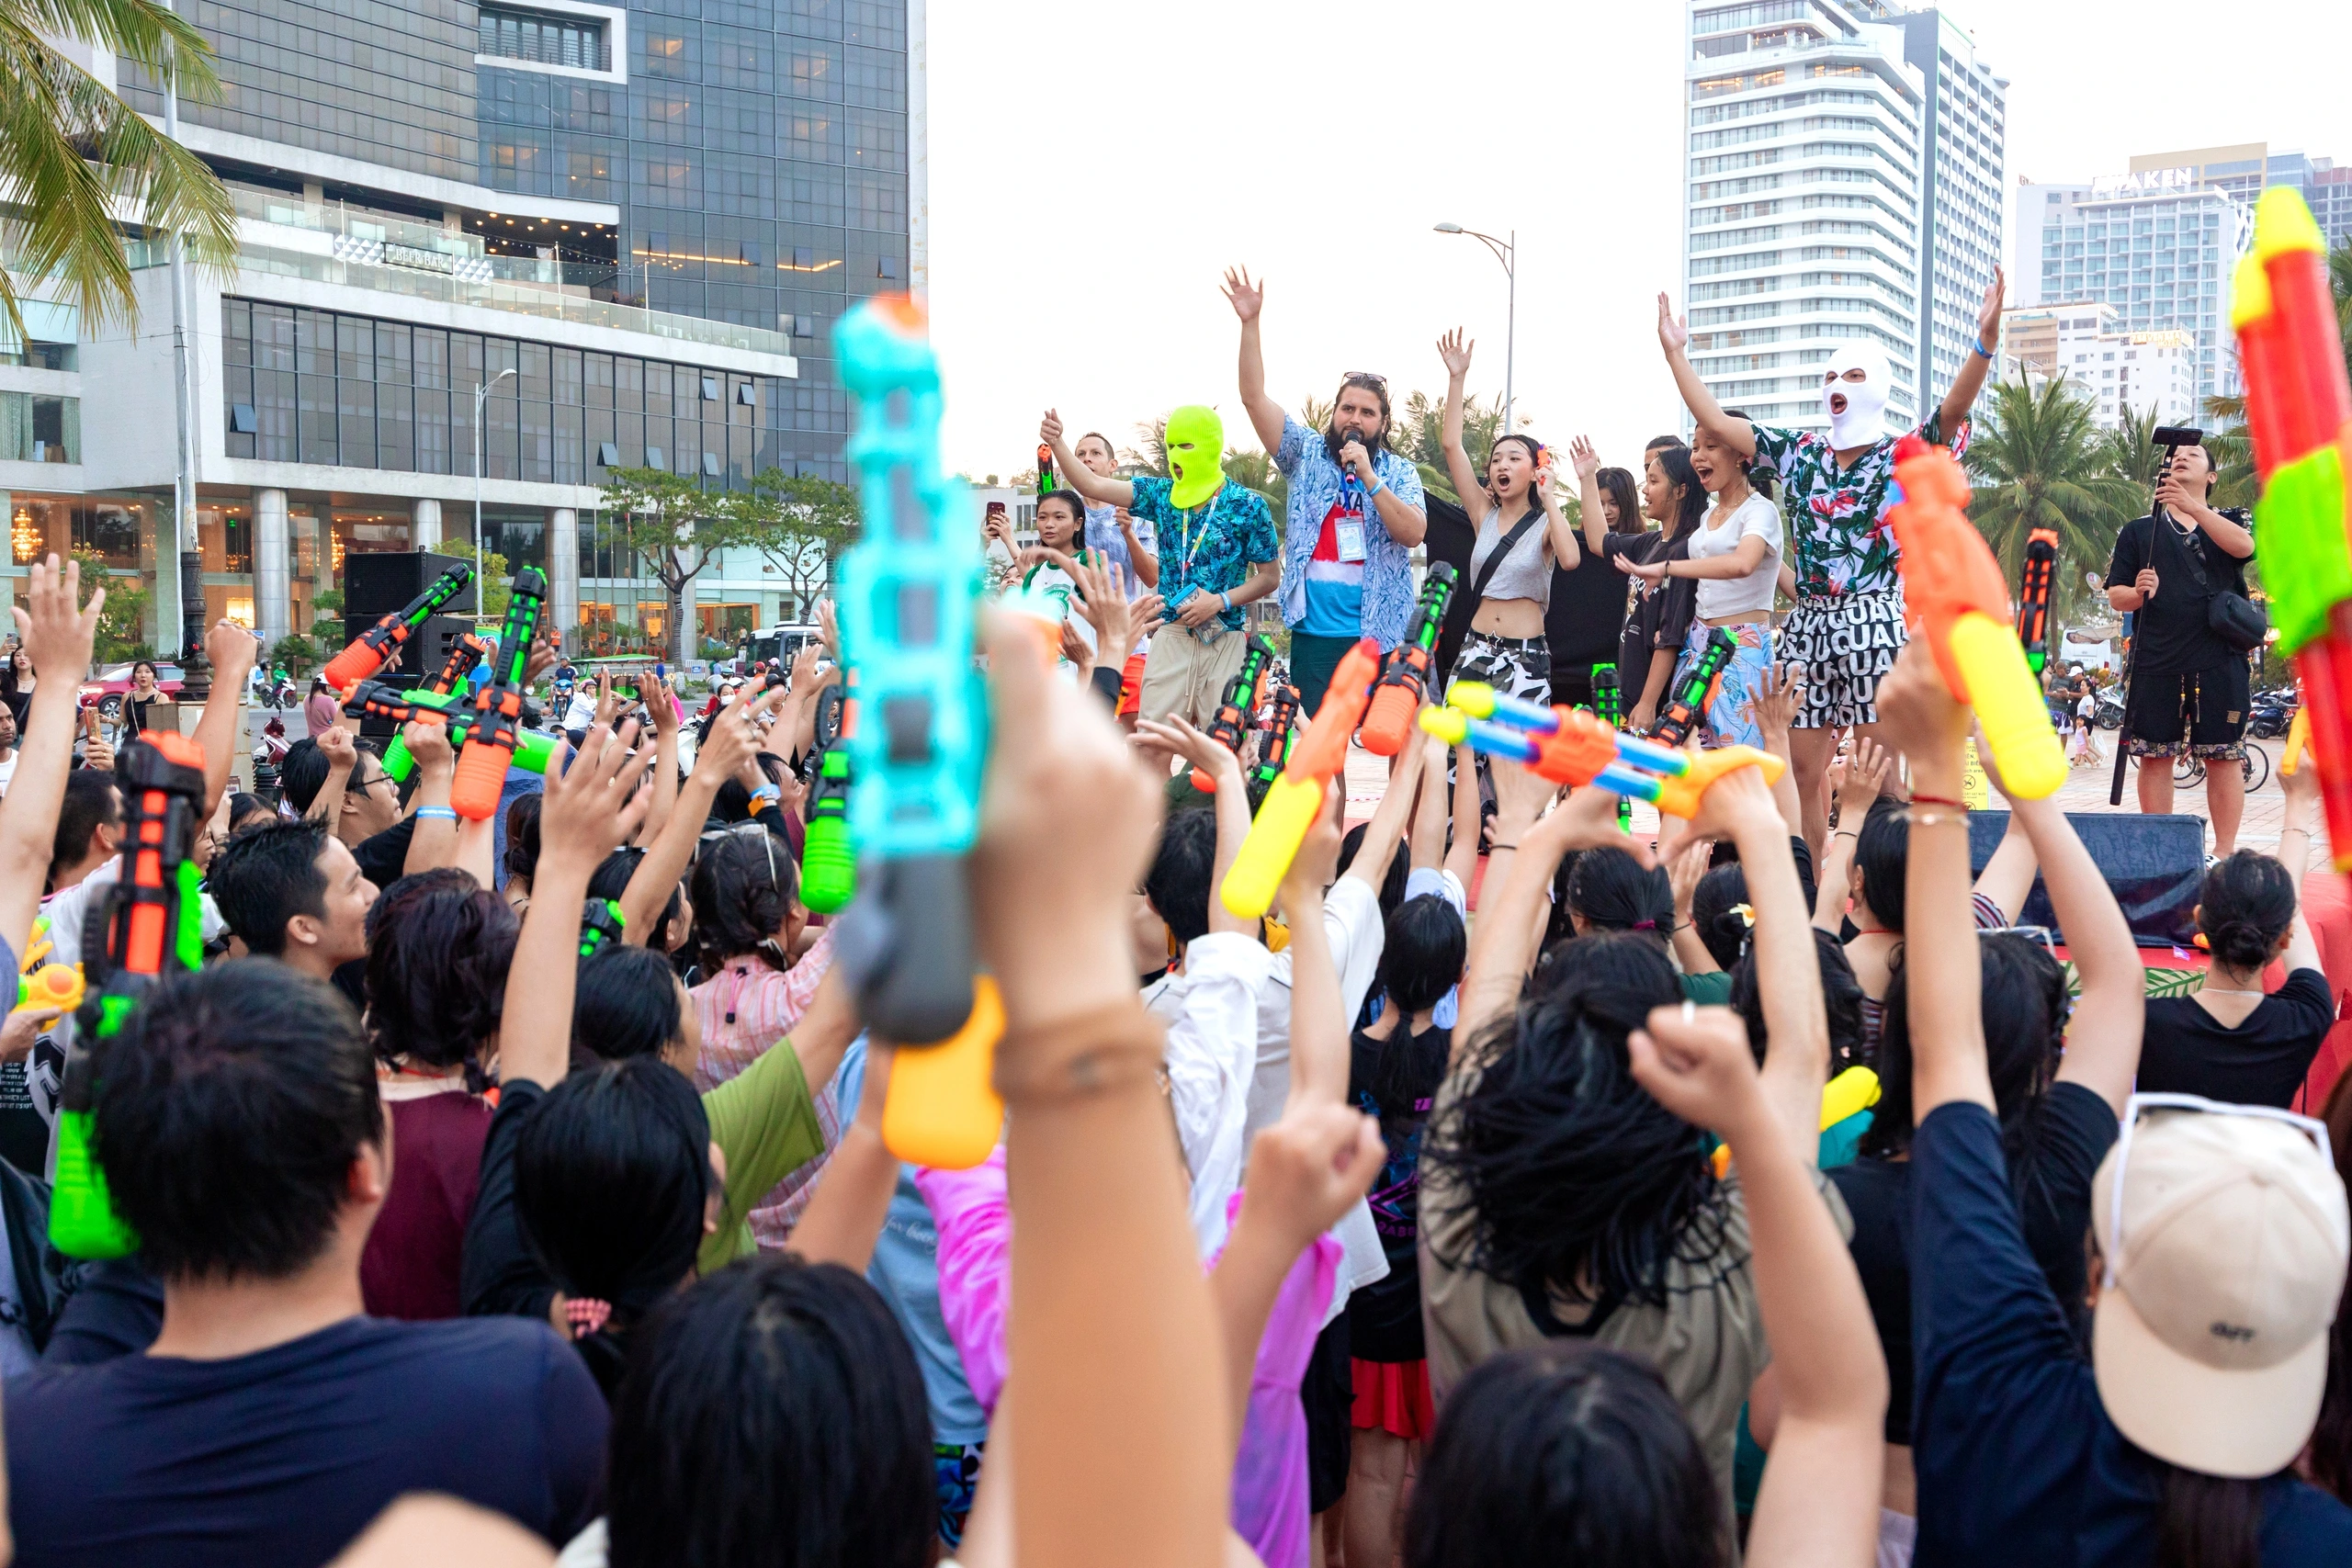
<point x="1187" y="677"/>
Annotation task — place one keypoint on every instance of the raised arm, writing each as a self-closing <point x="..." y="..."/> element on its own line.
<point x="1248" y="300"/>
<point x="1674" y="337"/>
<point x="1455" y="351"/>
<point x="844" y="1216"/>
<point x="1094" y="487"/>
<point x="1382" y="834"/>
<point x="1975" y="364"/>
<point x="342" y="753"/>
<point x="433" y="841"/>
<point x="2302" y="790"/>
<point x="1780" y="691"/>
<point x="734" y="739"/>
<point x="1866" y="771"/>
<point x="2103" y="1036"/>
<point x="57" y="636"/>
<point x="1176" y="738"/>
<point x="660" y="707"/>
<point x="231" y="651"/>
<point x="1819" y="1500"/>
<point x="1558" y="532"/>
<point x="1318" y="1020"/>
<point x="1593" y="515"/>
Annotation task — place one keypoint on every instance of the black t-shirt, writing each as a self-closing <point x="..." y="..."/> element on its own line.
<point x="2169" y="635"/>
<point x="1451" y="538"/>
<point x="1384" y="1318"/>
<point x="283" y="1456"/>
<point x="500" y="1273"/>
<point x="382" y="856"/>
<point x="2185" y="1050"/>
<point x="1586" y="613"/>
<point x="2051" y="1182"/>
<point x="116" y="1309"/>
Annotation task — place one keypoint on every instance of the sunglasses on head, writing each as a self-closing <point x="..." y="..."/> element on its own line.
<point x="1365" y="376"/>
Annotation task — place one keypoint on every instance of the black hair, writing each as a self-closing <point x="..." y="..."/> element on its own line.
<point x="1565" y="1454"/>
<point x="610" y="880"/>
<point x="733" y="801"/>
<point x="2247" y="904"/>
<point x="791" y="1372"/>
<point x="243" y="806"/>
<point x="1842" y="998"/>
<point x="1619" y="486"/>
<point x="626" y="1004"/>
<point x="2023" y="996"/>
<point x="229" y="1107"/>
<point x="1715" y="914"/>
<point x="1364" y="381"/>
<point x="1077" y="504"/>
<point x="1883" y="854"/>
<point x="745" y="886"/>
<point x="1757" y="474"/>
<point x="302" y="771"/>
<point x="2330" y="1449"/>
<point x="1575" y="1180"/>
<point x="265" y="876"/>
<point x="93" y="800"/>
<point x="1181" y="869"/>
<point x="612" y="1172"/>
<point x="1674" y="462"/>
<point x="1615" y="891"/>
<point x="2207" y="1522"/>
<point x="523" y="835"/>
<point x="438" y="947"/>
<point x="1535" y="450"/>
<point x="1660" y="443"/>
<point x="1400" y="869"/>
<point x="1422" y="958"/>
<point x="148" y="665"/>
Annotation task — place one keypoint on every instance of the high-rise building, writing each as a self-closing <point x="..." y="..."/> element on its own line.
<point x="2157" y="245"/>
<point x="634" y="229"/>
<point x="2244" y="173"/>
<point x="2120" y="373"/>
<point x="1845" y="171"/>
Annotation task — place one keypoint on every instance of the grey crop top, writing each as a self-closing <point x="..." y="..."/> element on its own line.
<point x="1526" y="572"/>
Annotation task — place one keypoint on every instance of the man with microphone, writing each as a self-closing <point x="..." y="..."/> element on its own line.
<point x="1355" y="514"/>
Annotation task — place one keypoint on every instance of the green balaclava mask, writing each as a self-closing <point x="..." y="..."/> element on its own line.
<point x="1195" y="451"/>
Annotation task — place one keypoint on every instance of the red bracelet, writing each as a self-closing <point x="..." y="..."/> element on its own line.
<point x="1918" y="799"/>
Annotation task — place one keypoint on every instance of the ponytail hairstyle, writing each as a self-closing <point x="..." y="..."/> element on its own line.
<point x="1716" y="913"/>
<point x="1614" y="892"/>
<point x="745" y="890"/>
<point x="2022" y="993"/>
<point x="1841" y="997"/>
<point x="1674" y="462"/>
<point x="1883" y="854"/>
<point x="2247" y="904"/>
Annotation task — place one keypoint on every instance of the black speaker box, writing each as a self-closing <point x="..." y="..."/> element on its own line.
<point x="376" y="585"/>
<point x="2155" y="865"/>
<point x="420" y="656"/>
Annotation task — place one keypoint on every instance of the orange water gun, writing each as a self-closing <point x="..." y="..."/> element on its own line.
<point x="1244" y="695"/>
<point x="1292" y="799"/>
<point x="1953" y="593"/>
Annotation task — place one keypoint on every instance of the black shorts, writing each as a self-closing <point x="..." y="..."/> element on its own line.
<point x="2202" y="713"/>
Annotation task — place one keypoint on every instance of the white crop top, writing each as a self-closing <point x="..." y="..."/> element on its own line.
<point x="1718" y="536"/>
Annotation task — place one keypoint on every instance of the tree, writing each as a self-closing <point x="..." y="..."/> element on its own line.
<point x="2232" y="451"/>
<point x="2039" y="461"/>
<point x="672" y="527"/>
<point x="497" y="584"/>
<point x="122" y="624"/>
<point x="802" y="524"/>
<point x="73" y="155"/>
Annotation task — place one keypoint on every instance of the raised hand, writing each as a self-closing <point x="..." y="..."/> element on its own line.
<point x="1049" y="428"/>
<point x="429" y="744"/>
<point x="1586" y="460"/>
<point x="1316" y="864"/>
<point x="1455" y="351"/>
<point x="56" y="635"/>
<point x="1673" y="332"/>
<point x="1246" y="298"/>
<point x="1174" y="737"/>
<point x="1865" y="781"/>
<point x="829" y="630"/>
<point x="231" y="651"/>
<point x="1988" y="315"/>
<point x="1307" y="1168"/>
<point x="595" y="806"/>
<point x="336" y="746"/>
<point x="1696" y="1062"/>
<point x="1780" y="691"/>
<point x="1916" y="715"/>
<point x="655" y="690"/>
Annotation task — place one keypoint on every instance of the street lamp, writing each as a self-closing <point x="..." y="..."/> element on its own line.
<point x="481" y="396"/>
<point x="1506" y="253"/>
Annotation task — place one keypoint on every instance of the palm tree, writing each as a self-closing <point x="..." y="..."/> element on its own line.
<point x="2039" y="461"/>
<point x="73" y="153"/>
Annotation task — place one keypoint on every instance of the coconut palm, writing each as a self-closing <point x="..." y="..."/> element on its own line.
<point x="2039" y="461"/>
<point x="74" y="154"/>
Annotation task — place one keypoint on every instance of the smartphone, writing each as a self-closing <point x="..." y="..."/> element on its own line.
<point x="996" y="510"/>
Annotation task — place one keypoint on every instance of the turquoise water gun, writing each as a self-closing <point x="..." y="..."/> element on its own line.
<point x="908" y="594"/>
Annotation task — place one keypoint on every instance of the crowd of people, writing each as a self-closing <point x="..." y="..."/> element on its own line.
<point x="519" y="1187"/>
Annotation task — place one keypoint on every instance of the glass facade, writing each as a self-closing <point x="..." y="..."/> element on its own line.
<point x="304" y="386"/>
<point x="575" y="41"/>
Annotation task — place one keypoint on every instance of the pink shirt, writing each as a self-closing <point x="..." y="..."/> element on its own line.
<point x="746" y="1010"/>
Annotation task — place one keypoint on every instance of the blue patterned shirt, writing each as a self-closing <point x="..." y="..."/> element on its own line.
<point x="1313" y="489"/>
<point x="1210" y="547"/>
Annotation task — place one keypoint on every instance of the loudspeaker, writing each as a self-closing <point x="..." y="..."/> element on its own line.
<point x="2154" y="866"/>
<point x="376" y="585"/>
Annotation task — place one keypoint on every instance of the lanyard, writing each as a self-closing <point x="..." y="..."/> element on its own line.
<point x="1184" y="530"/>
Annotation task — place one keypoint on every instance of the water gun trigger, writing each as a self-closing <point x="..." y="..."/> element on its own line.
<point x="1682" y="796"/>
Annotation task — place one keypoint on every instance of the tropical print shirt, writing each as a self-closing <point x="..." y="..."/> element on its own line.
<point x="1839" y="541"/>
<point x="1210" y="547"/>
<point x="1388" y="590"/>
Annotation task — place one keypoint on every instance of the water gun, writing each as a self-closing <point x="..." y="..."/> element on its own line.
<point x="907" y="615"/>
<point x="147" y="925"/>
<point x="1405" y="675"/>
<point x="1294" y="798"/>
<point x="2299" y="740"/>
<point x="2299" y="411"/>
<point x="367" y="652"/>
<point x="1609" y="704"/>
<point x="2033" y="596"/>
<point x="497" y="728"/>
<point x="1282" y="736"/>
<point x="602" y="925"/>
<point x="1044" y="468"/>
<point x="829" y="857"/>
<point x="1687" y="710"/>
<point x="1572" y="747"/>
<point x="1244" y="695"/>
<point x="466" y="650"/>
<point x="373" y="699"/>
<point x="55" y="986"/>
<point x="1843" y="1098"/>
<point x="1953" y="592"/>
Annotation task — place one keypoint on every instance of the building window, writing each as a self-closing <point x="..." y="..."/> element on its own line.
<point x="35" y="428"/>
<point x="545" y="39"/>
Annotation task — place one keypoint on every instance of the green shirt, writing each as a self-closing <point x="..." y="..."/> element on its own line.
<point x="1712" y="990"/>
<point x="764" y="1121"/>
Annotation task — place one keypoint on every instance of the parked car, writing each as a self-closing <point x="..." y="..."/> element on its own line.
<point x="112" y="681"/>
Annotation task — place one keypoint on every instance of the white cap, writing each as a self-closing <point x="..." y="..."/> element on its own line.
<point x="2210" y="1345"/>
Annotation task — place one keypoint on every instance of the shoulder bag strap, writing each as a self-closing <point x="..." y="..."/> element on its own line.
<point x="1503" y="548"/>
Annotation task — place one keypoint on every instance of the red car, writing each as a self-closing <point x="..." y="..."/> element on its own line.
<point x="114" y="680"/>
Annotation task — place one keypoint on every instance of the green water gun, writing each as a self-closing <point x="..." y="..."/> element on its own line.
<point x="602" y="925"/>
<point x="1608" y="702"/>
<point x="829" y="857"/>
<point x="377" y="700"/>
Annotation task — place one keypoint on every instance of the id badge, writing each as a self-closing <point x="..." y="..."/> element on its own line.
<point x="1350" y="531"/>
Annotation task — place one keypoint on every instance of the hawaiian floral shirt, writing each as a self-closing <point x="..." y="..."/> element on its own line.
<point x="1388" y="590"/>
<point x="1210" y="547"/>
<point x="1840" y="539"/>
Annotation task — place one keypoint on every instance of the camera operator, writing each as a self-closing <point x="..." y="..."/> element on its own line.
<point x="2189" y="684"/>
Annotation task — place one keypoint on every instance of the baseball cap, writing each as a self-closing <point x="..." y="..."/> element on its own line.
<point x="2226" y="1233"/>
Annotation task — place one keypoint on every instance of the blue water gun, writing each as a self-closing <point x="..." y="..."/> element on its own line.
<point x="917" y="752"/>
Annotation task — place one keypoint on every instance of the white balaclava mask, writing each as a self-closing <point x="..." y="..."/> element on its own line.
<point x="1864" y="419"/>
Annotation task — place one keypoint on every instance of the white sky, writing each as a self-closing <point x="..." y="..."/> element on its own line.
<point x="1093" y="169"/>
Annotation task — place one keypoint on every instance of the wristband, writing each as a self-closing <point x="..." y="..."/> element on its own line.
<point x="1981" y="348"/>
<point x="436" y="814"/>
<point x="1847" y="833"/>
<point x="768" y="792"/>
<point x="1376" y="488"/>
<point x="1119" y="1045"/>
<point x="1918" y="799"/>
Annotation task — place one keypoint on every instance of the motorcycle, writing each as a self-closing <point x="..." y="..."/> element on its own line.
<point x="2272" y="713"/>
<point x="2108" y="715"/>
